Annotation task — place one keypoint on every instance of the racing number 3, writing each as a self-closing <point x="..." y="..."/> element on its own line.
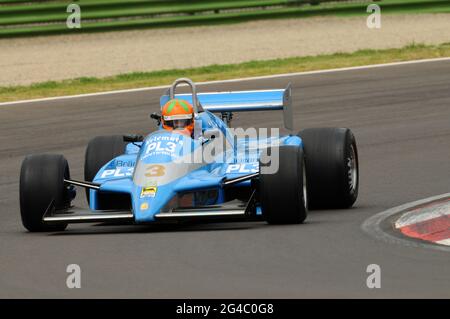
<point x="155" y="170"/>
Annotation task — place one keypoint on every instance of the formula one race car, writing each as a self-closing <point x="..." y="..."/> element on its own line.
<point x="216" y="174"/>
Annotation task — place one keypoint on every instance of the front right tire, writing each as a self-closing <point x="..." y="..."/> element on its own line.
<point x="41" y="182"/>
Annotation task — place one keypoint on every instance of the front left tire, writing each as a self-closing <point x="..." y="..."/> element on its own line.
<point x="283" y="193"/>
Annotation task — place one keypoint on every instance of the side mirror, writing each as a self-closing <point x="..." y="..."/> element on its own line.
<point x="133" y="138"/>
<point x="211" y="134"/>
<point x="156" y="117"/>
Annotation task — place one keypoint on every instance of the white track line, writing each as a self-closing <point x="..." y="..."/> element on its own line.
<point x="444" y="242"/>
<point x="231" y="80"/>
<point x="373" y="225"/>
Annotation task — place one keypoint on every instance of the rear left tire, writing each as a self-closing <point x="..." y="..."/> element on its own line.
<point x="332" y="167"/>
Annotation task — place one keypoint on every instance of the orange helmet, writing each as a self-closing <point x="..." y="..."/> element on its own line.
<point x="178" y="115"/>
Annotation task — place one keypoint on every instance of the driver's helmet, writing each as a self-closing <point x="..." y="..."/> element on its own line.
<point x="178" y="115"/>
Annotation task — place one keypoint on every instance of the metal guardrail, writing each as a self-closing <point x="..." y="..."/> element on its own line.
<point x="28" y="17"/>
<point x="32" y="17"/>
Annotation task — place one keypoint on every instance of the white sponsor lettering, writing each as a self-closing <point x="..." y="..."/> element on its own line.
<point x="118" y="172"/>
<point x="246" y="168"/>
<point x="160" y="147"/>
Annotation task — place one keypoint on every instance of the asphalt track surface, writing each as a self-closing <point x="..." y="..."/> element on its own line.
<point x="401" y="118"/>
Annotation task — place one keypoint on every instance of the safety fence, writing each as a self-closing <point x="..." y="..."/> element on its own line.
<point x="28" y="17"/>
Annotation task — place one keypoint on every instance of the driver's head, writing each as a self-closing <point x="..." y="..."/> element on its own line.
<point x="178" y="115"/>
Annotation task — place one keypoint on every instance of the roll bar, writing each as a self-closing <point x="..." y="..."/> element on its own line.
<point x="195" y="103"/>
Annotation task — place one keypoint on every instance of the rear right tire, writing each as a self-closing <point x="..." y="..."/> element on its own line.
<point x="101" y="150"/>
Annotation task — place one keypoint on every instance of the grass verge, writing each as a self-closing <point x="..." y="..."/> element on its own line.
<point x="223" y="72"/>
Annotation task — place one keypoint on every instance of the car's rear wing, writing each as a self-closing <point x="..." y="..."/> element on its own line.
<point x="236" y="101"/>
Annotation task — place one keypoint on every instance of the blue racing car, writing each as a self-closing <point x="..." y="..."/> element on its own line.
<point x="196" y="167"/>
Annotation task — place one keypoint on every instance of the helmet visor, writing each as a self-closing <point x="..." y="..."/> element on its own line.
<point x="179" y="121"/>
<point x="179" y="124"/>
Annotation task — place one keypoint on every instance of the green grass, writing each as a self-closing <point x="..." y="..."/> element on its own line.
<point x="222" y="72"/>
<point x="137" y="14"/>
